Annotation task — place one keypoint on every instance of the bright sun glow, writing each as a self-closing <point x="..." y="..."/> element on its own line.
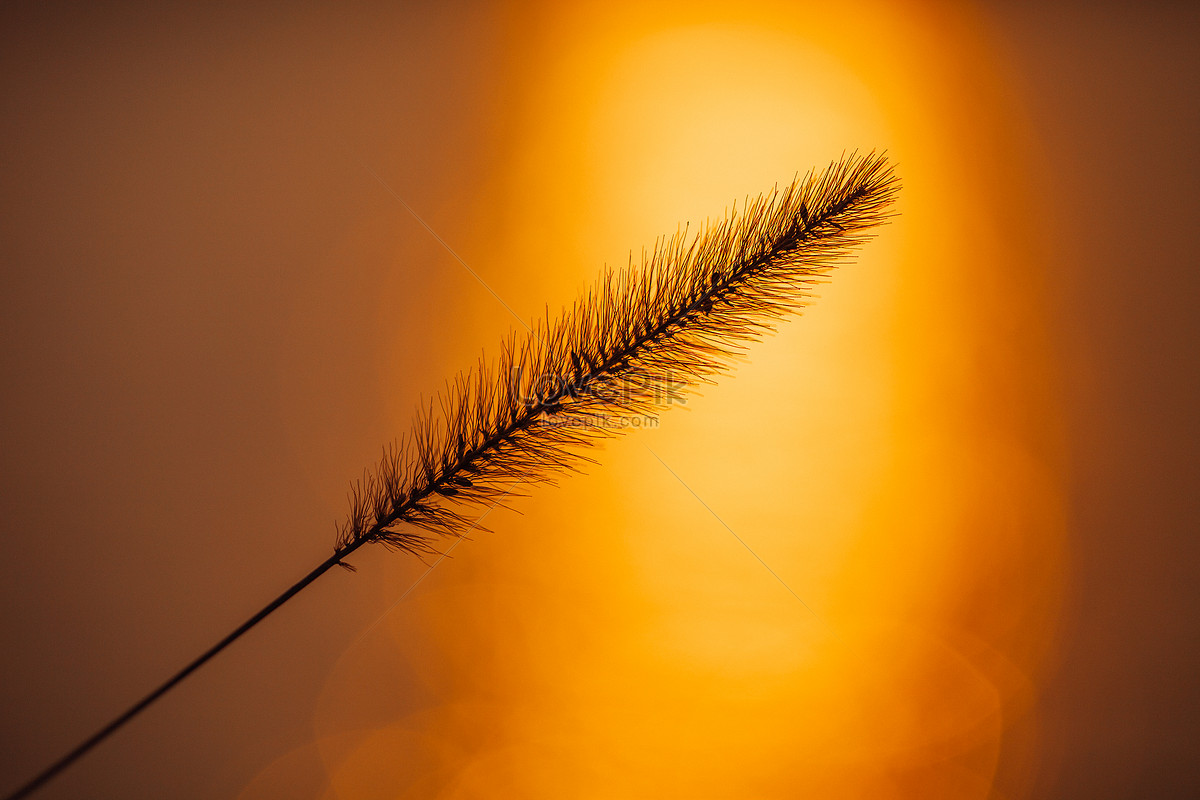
<point x="618" y="640"/>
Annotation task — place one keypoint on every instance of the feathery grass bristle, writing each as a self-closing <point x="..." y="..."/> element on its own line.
<point x="630" y="346"/>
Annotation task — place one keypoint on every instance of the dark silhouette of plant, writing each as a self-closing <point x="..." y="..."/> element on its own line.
<point x="636" y="341"/>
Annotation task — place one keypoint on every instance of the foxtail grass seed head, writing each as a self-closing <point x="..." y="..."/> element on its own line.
<point x="629" y="347"/>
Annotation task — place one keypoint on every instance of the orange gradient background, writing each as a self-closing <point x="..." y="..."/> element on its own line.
<point x="844" y="572"/>
<point x="616" y="640"/>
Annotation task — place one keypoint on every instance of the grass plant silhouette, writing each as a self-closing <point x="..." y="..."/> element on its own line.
<point x="631" y="345"/>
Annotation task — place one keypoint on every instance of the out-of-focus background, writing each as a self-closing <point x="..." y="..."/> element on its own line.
<point x="973" y="460"/>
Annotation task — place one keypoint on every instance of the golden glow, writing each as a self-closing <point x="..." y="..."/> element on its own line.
<point x="617" y="640"/>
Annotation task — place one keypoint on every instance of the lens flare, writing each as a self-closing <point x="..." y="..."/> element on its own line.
<point x="836" y="573"/>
